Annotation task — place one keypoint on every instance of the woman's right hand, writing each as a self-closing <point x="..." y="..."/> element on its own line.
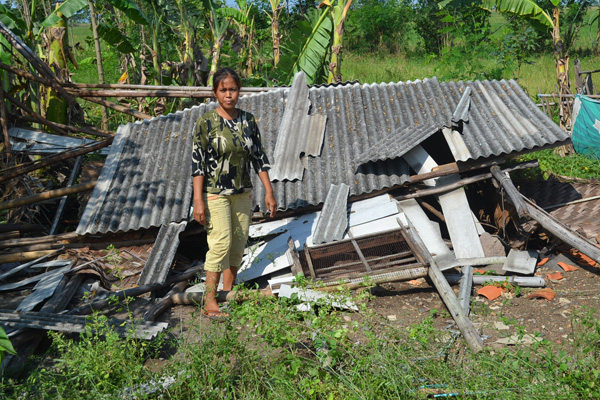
<point x="200" y="212"/>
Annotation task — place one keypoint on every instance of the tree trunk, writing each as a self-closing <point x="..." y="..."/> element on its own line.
<point x="99" y="63"/>
<point x="155" y="56"/>
<point x="276" y="37"/>
<point x="56" y="105"/>
<point x="339" y="18"/>
<point x="216" y="54"/>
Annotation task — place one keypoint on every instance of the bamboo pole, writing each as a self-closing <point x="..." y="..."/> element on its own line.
<point x="24" y="256"/>
<point x="24" y="74"/>
<point x="118" y="107"/>
<point x="549" y="222"/>
<point x="18" y="170"/>
<point x="222" y="296"/>
<point x="463" y="182"/>
<point x="36" y="198"/>
<point x="243" y="90"/>
<point x="82" y="129"/>
<point x="60" y="238"/>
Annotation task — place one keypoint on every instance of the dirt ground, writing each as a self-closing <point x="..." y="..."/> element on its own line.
<point x="499" y="321"/>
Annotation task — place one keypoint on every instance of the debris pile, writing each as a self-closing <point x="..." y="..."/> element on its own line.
<point x="382" y="183"/>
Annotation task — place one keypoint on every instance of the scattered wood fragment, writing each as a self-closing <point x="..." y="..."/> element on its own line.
<point x="137" y="291"/>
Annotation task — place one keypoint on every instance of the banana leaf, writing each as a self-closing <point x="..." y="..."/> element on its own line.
<point x="524" y="8"/>
<point x="68" y="9"/>
<point x="307" y="49"/>
<point x="115" y="38"/>
<point x="131" y="10"/>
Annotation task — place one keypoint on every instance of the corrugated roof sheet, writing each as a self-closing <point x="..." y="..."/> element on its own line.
<point x="333" y="220"/>
<point x="159" y="263"/>
<point x="300" y="134"/>
<point x="146" y="180"/>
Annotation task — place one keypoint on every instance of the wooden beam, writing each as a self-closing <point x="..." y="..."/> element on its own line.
<point x="24" y="256"/>
<point x="35" y="62"/>
<point x="549" y="222"/>
<point x="51" y="194"/>
<point x="22" y="169"/>
<point x="4" y="121"/>
<point x="465" y="325"/>
<point x="118" y="107"/>
<point x="82" y="129"/>
<point x="136" y="291"/>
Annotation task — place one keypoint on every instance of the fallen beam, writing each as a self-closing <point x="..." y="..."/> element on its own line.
<point x="18" y="170"/>
<point x="194" y="298"/>
<point x="463" y="322"/>
<point x="525" y="281"/>
<point x="548" y="221"/>
<point x="51" y="194"/>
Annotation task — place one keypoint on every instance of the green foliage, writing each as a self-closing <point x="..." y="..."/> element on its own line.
<point x="5" y="345"/>
<point x="525" y="8"/>
<point x="67" y="9"/>
<point x="131" y="10"/>
<point x="379" y="26"/>
<point x="99" y="364"/>
<point x="115" y="38"/>
<point x="306" y="49"/>
<point x="572" y="166"/>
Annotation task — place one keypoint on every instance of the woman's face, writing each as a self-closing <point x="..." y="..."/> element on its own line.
<point x="227" y="93"/>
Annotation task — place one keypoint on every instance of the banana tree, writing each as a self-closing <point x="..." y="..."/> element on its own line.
<point x="276" y="7"/>
<point x="246" y="31"/>
<point x="308" y="49"/>
<point x="339" y="12"/>
<point x="541" y="20"/>
<point x="219" y="20"/>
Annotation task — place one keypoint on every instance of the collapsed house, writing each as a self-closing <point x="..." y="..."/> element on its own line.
<point x="338" y="151"/>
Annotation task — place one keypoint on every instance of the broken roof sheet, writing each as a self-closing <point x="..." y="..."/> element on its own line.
<point x="146" y="179"/>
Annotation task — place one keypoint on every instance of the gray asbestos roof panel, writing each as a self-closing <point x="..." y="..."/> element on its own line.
<point x="146" y="180"/>
<point x="160" y="260"/>
<point x="333" y="220"/>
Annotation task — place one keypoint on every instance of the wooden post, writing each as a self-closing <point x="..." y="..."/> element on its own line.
<point x="465" y="325"/>
<point x="136" y="291"/>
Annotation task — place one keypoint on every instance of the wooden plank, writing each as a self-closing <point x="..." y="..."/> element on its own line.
<point x="455" y="206"/>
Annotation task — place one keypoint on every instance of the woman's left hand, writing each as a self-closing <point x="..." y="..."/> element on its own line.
<point x="271" y="204"/>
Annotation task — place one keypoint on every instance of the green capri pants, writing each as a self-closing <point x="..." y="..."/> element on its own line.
<point x="228" y="219"/>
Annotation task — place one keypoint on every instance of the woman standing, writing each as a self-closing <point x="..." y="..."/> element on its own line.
<point x="226" y="142"/>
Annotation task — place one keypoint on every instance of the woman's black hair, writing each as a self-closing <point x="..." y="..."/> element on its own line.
<point x="223" y="73"/>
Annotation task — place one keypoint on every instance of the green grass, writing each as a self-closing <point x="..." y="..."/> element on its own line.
<point x="269" y="350"/>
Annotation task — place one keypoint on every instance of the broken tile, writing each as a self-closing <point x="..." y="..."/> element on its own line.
<point x="543" y="261"/>
<point x="557" y="276"/>
<point x="567" y="267"/>
<point x="415" y="282"/>
<point x="523" y="262"/>
<point x="547" y="294"/>
<point x="491" y="292"/>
